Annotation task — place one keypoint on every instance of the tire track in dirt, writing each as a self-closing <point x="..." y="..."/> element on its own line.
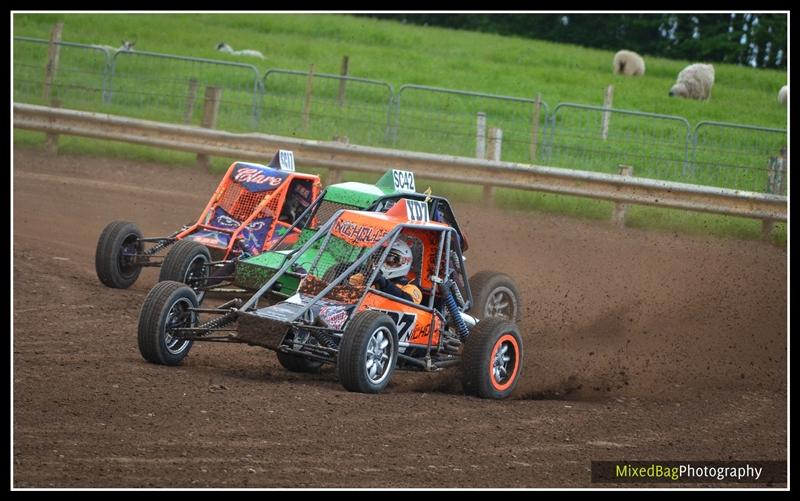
<point x="638" y="344"/>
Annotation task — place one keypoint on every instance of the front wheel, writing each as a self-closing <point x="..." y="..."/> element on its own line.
<point x="166" y="307"/>
<point x="187" y="262"/>
<point x="368" y="352"/>
<point x="494" y="295"/>
<point x="115" y="255"/>
<point x="296" y="363"/>
<point x="492" y="359"/>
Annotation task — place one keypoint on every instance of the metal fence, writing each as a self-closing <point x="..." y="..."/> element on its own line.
<point x="599" y="138"/>
<point x="174" y="85"/>
<point x="369" y="112"/>
<point x="737" y="156"/>
<point x="324" y="106"/>
<point x="439" y="120"/>
<point x="81" y="78"/>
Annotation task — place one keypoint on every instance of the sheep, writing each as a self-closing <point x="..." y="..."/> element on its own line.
<point x="223" y="47"/>
<point x="783" y="94"/>
<point x="127" y="46"/>
<point x="628" y="63"/>
<point x="694" y="82"/>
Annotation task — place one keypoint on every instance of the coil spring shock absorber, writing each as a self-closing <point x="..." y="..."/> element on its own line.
<point x="457" y="294"/>
<point x="324" y="339"/>
<point x="452" y="308"/>
<point x="218" y="322"/>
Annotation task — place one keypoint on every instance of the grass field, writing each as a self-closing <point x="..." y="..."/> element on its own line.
<point x="402" y="54"/>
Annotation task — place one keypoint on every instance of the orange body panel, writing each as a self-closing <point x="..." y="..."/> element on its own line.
<point x="246" y="206"/>
<point x="422" y="327"/>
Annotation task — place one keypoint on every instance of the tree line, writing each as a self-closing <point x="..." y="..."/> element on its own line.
<point x="757" y="40"/>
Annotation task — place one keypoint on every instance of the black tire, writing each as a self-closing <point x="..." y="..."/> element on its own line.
<point x="165" y="307"/>
<point x="363" y="332"/>
<point x="296" y="363"/>
<point x="187" y="262"/>
<point x="485" y="371"/>
<point x="112" y="258"/>
<point x="494" y="295"/>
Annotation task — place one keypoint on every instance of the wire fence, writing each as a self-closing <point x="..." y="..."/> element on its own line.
<point x="324" y="106"/>
<point x="172" y="84"/>
<point x="81" y="78"/>
<point x="738" y="156"/>
<point x="310" y="105"/>
<point x="444" y="120"/>
<point x="599" y="139"/>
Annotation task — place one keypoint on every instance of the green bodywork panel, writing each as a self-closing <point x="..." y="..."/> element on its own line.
<point x="357" y="194"/>
<point x="253" y="272"/>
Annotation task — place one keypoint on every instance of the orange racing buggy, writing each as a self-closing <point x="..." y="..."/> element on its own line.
<point x="253" y="207"/>
<point x="339" y="314"/>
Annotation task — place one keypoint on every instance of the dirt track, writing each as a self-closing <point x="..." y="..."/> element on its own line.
<point x="639" y="345"/>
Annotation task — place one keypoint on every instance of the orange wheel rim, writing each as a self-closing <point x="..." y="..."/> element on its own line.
<point x="504" y="362"/>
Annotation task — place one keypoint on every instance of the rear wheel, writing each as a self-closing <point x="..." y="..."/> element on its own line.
<point x="494" y="295"/>
<point x="166" y="308"/>
<point x="492" y="359"/>
<point x="115" y="256"/>
<point x="368" y="352"/>
<point x="187" y="262"/>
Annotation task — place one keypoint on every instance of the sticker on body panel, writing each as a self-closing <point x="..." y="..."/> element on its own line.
<point x="404" y="322"/>
<point x="335" y="315"/>
<point x="257" y="178"/>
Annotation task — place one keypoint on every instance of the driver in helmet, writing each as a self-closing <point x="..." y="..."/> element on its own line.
<point x="393" y="276"/>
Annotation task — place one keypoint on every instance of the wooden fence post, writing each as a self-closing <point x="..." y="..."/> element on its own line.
<point x="190" y="98"/>
<point x="608" y="103"/>
<point x="776" y="175"/>
<point x="620" y="209"/>
<point x="537" y="108"/>
<point x="50" y="138"/>
<point x="495" y="152"/>
<point x="309" y="91"/>
<point x="52" y="59"/>
<point x="210" y="111"/>
<point x="343" y="81"/>
<point x="480" y="136"/>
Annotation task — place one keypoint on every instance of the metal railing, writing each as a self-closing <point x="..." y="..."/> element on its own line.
<point x="336" y="156"/>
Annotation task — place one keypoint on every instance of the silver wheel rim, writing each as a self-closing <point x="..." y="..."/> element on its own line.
<point x="178" y="316"/>
<point x="501" y="362"/>
<point x="380" y="355"/>
<point x="501" y="303"/>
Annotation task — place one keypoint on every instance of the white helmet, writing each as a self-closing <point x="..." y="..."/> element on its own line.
<point x="398" y="262"/>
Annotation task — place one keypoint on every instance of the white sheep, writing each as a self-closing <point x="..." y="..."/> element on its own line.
<point x="783" y="94"/>
<point x="223" y="47"/>
<point x="127" y="46"/>
<point x="628" y="63"/>
<point x="694" y="82"/>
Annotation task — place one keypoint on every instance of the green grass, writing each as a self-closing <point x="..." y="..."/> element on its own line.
<point x="401" y="54"/>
